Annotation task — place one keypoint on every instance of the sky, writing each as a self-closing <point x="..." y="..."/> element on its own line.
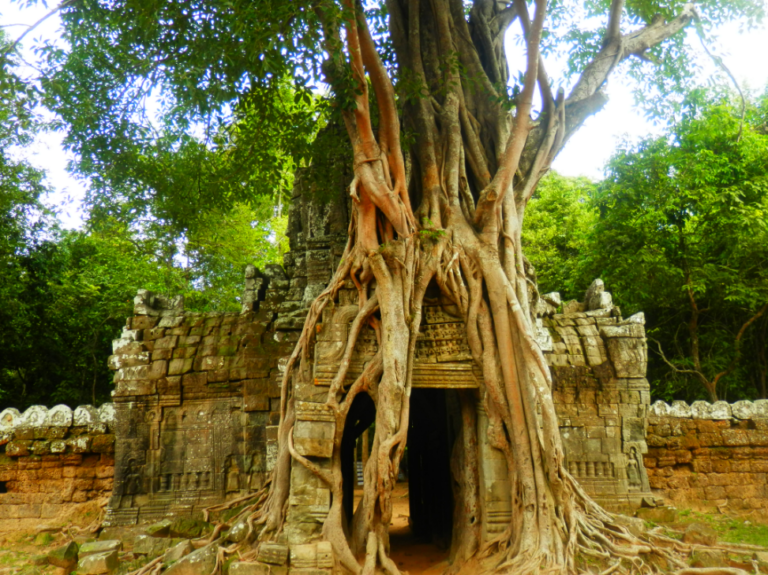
<point x="584" y="155"/>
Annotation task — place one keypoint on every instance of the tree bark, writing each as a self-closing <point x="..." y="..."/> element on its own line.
<point x="455" y="220"/>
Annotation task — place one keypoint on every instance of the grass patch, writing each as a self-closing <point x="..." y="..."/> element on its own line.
<point x="729" y="529"/>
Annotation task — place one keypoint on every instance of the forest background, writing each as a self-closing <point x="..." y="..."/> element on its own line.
<point x="676" y="229"/>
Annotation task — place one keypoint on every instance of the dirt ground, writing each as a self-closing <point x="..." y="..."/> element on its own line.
<point x="410" y="555"/>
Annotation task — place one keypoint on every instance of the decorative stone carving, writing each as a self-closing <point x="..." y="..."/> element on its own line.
<point x="9" y="419"/>
<point x="59" y="416"/>
<point x="442" y="357"/>
<point x="151" y="304"/>
<point x="34" y="416"/>
<point x="85" y="415"/>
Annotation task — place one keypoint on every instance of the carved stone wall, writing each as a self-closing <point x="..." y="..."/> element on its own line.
<point x="710" y="455"/>
<point x="598" y="363"/>
<point x="54" y="464"/>
<point x="197" y="402"/>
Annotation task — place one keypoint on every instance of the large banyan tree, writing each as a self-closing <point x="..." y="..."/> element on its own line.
<point x="446" y="153"/>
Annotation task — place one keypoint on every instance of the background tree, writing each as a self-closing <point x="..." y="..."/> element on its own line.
<point x="682" y="236"/>
<point x="441" y="209"/>
<point x="557" y="236"/>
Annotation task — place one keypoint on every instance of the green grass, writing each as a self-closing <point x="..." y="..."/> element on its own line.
<point x="729" y="529"/>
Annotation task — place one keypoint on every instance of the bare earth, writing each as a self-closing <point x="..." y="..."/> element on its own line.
<point x="410" y="555"/>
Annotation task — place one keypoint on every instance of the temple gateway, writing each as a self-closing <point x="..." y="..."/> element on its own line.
<point x="197" y="399"/>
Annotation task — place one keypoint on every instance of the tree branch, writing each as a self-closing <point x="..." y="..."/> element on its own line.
<point x="614" y="22"/>
<point x="586" y="97"/>
<point x="737" y="345"/>
<point x="493" y="194"/>
<point x="8" y="49"/>
<point x="719" y="62"/>
<point x="676" y="369"/>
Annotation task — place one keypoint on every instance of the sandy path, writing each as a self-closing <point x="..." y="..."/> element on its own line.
<point x="410" y="555"/>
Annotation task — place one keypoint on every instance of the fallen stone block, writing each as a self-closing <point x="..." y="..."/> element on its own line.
<point x="189" y="528"/>
<point x="657" y="514"/>
<point x="181" y="549"/>
<point x="707" y="558"/>
<point x="160" y="529"/>
<point x="200" y="562"/>
<point x="64" y="556"/>
<point x="93" y="547"/>
<point x="98" y="563"/>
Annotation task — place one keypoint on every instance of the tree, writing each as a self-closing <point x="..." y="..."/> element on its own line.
<point x="558" y="234"/>
<point x="682" y="235"/>
<point x="447" y="208"/>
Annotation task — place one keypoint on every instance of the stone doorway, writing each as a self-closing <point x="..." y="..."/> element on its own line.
<point x="423" y="502"/>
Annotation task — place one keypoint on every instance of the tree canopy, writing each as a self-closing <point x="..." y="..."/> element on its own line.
<point x="447" y="150"/>
<point x="683" y="235"/>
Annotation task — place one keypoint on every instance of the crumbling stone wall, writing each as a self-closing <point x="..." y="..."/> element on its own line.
<point x="197" y="402"/>
<point x="54" y="463"/>
<point x="710" y="455"/>
<point x="598" y="364"/>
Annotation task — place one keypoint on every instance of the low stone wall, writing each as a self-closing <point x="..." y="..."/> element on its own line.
<point x="55" y="464"/>
<point x="710" y="455"/>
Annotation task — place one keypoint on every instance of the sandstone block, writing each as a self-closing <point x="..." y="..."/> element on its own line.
<point x="189" y="528"/>
<point x="175" y="553"/>
<point x="662" y="514"/>
<point x="98" y="563"/>
<point x="707" y="558"/>
<point x="159" y="529"/>
<point x="150" y="546"/>
<point x="103" y="443"/>
<point x="93" y="547"/>
<point x="65" y="556"/>
<point x="200" y="562"/>
<point x="273" y="553"/>
<point x="247" y="568"/>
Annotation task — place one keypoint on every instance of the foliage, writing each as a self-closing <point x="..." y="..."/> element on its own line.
<point x="557" y="233"/>
<point x="72" y="294"/>
<point x="682" y="236"/>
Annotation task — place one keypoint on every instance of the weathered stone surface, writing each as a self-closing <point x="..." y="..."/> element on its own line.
<point x="34" y="416"/>
<point x="65" y="556"/>
<point x="9" y="419"/>
<point x="743" y="410"/>
<point x="662" y="514"/>
<point x="707" y="558"/>
<point x="98" y="563"/>
<point x="85" y="415"/>
<point x="239" y="531"/>
<point x="59" y="416"/>
<point x="189" y="528"/>
<point x="175" y="553"/>
<point x="200" y="562"/>
<point x="254" y="568"/>
<point x="159" y="529"/>
<point x="150" y="546"/>
<point x="273" y="553"/>
<point x="93" y="547"/>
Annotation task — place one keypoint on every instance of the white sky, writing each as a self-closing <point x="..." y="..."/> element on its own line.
<point x="585" y="154"/>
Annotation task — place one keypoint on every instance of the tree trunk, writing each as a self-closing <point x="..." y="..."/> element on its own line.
<point x="474" y="168"/>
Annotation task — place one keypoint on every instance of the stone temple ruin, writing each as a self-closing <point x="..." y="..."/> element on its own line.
<point x="197" y="398"/>
<point x="197" y="395"/>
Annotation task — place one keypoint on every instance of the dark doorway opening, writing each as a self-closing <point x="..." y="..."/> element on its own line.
<point x="430" y="443"/>
<point x="423" y="502"/>
<point x="3" y="487"/>
<point x="360" y="417"/>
